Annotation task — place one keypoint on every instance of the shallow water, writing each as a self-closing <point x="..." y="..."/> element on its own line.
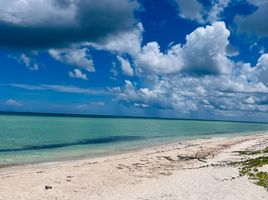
<point x="27" y="139"/>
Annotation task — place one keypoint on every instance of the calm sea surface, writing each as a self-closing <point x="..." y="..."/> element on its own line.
<point x="27" y="139"/>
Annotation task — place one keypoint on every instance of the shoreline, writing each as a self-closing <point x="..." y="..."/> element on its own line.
<point x="109" y="177"/>
<point x="99" y="157"/>
<point x="126" y="151"/>
<point x="122" y="153"/>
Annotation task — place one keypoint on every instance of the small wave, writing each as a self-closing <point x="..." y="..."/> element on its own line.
<point x="103" y="140"/>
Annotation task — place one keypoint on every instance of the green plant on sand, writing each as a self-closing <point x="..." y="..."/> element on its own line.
<point x="248" y="152"/>
<point x="251" y="167"/>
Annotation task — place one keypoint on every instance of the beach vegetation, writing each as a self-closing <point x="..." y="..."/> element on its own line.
<point x="251" y="167"/>
<point x="248" y="152"/>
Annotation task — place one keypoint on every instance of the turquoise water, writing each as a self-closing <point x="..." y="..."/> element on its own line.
<point x="27" y="139"/>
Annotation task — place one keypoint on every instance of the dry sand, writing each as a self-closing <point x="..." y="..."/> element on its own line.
<point x="191" y="170"/>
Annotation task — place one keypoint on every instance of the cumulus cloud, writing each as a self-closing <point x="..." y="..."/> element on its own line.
<point x="244" y="90"/>
<point x="205" y="52"/>
<point x="254" y="23"/>
<point x="74" y="57"/>
<point x="143" y="97"/>
<point x="163" y="95"/>
<point x="261" y="69"/>
<point x="151" y="59"/>
<point x="125" y="66"/>
<point x="196" y="77"/>
<point x="198" y="94"/>
<point x="78" y="74"/>
<point x="77" y="21"/>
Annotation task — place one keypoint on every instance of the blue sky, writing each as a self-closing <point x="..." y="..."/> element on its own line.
<point x="167" y="58"/>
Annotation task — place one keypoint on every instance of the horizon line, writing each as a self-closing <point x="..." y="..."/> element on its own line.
<point x="51" y="114"/>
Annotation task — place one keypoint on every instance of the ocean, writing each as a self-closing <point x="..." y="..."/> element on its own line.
<point x="36" y="138"/>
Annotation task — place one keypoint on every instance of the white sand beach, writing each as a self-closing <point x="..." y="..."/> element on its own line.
<point x="189" y="170"/>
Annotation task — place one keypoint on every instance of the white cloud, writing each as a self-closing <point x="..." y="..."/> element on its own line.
<point x="26" y="60"/>
<point x="11" y="102"/>
<point x="30" y="64"/>
<point x="258" y="74"/>
<point x="205" y="52"/>
<point x="125" y="66"/>
<point x="250" y="100"/>
<point x="90" y="105"/>
<point x="78" y="74"/>
<point x="197" y="76"/>
<point x="113" y="71"/>
<point x="242" y="90"/>
<point x="71" y="89"/>
<point x="217" y="9"/>
<point x="194" y="10"/>
<point x="151" y="59"/>
<point x="124" y="42"/>
<point x="142" y="97"/>
<point x="261" y="69"/>
<point x="74" y="57"/>
<point x="141" y="105"/>
<point x="60" y="88"/>
<point x="191" y="9"/>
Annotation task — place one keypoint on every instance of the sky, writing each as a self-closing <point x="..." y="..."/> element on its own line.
<point x="195" y="59"/>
